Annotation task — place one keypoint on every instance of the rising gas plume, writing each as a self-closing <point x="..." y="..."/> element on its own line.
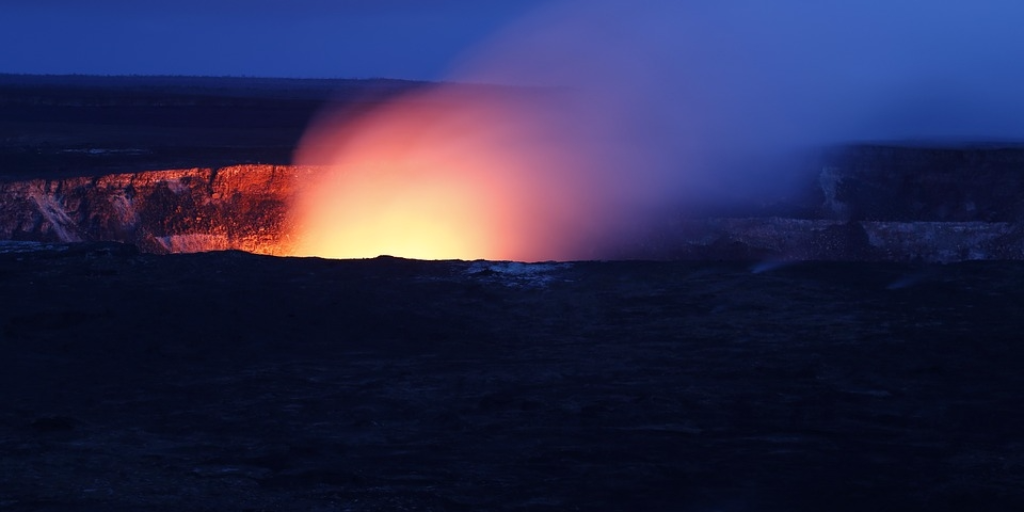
<point x="611" y="114"/>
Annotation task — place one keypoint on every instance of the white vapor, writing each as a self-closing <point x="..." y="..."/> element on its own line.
<point x="648" y="105"/>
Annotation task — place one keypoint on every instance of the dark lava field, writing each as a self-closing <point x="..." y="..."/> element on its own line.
<point x="61" y="126"/>
<point x="228" y="381"/>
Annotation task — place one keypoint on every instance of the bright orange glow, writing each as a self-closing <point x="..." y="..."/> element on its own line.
<point x="568" y="166"/>
<point x="453" y="173"/>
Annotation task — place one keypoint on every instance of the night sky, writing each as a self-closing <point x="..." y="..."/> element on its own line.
<point x="759" y="70"/>
<point x="409" y="39"/>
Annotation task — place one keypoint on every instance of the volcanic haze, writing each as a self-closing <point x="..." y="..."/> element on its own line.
<point x="618" y="113"/>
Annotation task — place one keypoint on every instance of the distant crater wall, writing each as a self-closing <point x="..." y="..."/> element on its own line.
<point x="912" y="184"/>
<point x="188" y="210"/>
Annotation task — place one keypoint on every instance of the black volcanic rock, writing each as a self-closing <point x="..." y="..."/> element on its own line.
<point x="71" y="126"/>
<point x="231" y="381"/>
<point x="923" y="184"/>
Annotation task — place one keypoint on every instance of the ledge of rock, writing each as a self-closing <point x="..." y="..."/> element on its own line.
<point x="187" y="210"/>
<point x="862" y="203"/>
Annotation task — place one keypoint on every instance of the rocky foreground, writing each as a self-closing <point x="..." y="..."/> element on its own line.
<point x="230" y="381"/>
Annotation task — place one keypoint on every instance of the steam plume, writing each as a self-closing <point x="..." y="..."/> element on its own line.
<point x="626" y="111"/>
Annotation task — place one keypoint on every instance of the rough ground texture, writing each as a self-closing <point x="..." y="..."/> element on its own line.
<point x="241" y="207"/>
<point x="229" y="381"/>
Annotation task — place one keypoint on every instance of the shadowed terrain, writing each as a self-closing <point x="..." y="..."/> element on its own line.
<point x="227" y="381"/>
<point x="73" y="126"/>
<point x="735" y="380"/>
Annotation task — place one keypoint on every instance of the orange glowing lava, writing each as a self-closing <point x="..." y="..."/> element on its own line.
<point x="452" y="173"/>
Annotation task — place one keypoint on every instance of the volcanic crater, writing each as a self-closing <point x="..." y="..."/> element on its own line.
<point x="855" y="345"/>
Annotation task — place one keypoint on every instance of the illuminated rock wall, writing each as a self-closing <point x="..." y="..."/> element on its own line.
<point x="866" y="204"/>
<point x="188" y="210"/>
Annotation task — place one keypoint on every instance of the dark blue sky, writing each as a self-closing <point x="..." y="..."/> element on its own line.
<point x="412" y="39"/>
<point x="693" y="70"/>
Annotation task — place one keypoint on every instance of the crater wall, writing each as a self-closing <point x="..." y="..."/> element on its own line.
<point x="183" y="210"/>
<point x="868" y="203"/>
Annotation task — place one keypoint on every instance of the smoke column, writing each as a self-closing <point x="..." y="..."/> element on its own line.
<point x="591" y="117"/>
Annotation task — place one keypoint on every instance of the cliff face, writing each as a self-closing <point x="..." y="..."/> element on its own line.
<point x="909" y="184"/>
<point x="860" y="204"/>
<point x="188" y="210"/>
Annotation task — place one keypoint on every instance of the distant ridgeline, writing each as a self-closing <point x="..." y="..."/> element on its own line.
<point x="871" y="203"/>
<point x="76" y="125"/>
<point x="129" y="89"/>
